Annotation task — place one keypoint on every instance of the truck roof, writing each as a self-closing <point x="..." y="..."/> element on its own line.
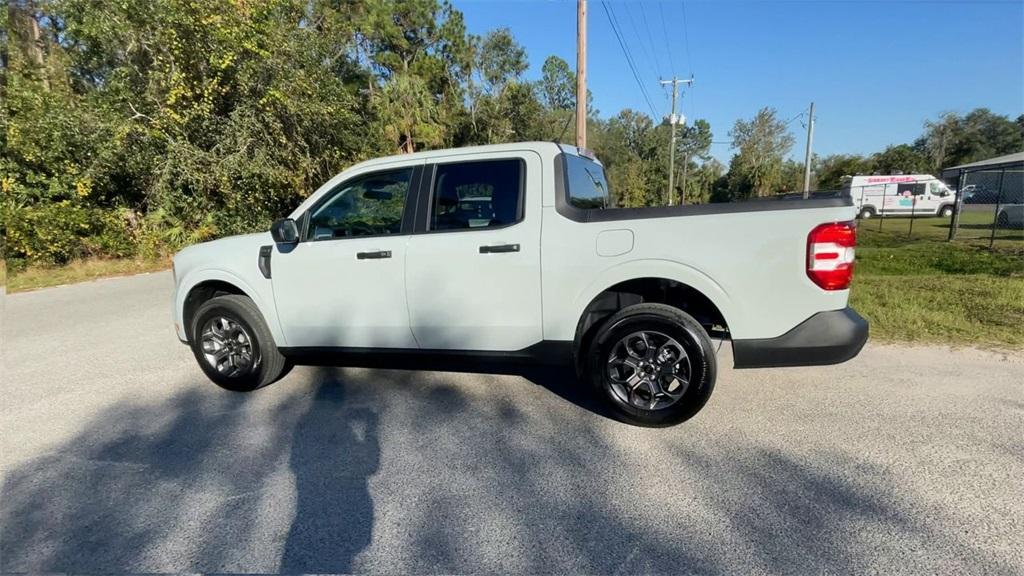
<point x="539" y="146"/>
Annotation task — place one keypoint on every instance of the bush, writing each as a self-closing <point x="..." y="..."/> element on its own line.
<point x="60" y="232"/>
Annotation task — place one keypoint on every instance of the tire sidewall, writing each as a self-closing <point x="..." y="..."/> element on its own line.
<point x="867" y="214"/>
<point x="702" y="365"/>
<point x="945" y="211"/>
<point x="228" y="309"/>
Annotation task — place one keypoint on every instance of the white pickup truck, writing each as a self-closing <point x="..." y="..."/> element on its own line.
<point x="512" y="252"/>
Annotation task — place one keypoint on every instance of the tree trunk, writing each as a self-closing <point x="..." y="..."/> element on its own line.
<point x="23" y="25"/>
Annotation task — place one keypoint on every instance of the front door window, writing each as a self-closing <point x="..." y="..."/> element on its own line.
<point x="369" y="205"/>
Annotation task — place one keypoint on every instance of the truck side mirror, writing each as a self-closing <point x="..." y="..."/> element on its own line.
<point x="285" y="231"/>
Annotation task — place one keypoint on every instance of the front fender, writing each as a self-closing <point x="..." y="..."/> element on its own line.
<point x="262" y="296"/>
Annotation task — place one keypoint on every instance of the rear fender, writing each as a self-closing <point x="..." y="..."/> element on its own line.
<point x="653" y="268"/>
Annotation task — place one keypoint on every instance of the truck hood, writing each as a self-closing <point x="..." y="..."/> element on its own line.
<point x="229" y="252"/>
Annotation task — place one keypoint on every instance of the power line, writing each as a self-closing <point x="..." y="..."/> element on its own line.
<point x="650" y="36"/>
<point x="643" y="47"/>
<point x="689" y="61"/>
<point x="629" y="58"/>
<point x="617" y="25"/>
<point x="790" y="121"/>
<point x="686" y="37"/>
<point x="664" y="30"/>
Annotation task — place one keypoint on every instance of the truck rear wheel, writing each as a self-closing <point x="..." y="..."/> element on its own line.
<point x="233" y="345"/>
<point x="866" y="213"/>
<point x="652" y="364"/>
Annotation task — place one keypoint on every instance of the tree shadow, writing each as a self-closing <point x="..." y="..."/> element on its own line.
<point x="339" y="470"/>
<point x="192" y="484"/>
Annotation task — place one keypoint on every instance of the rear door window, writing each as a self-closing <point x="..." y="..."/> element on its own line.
<point x="479" y="194"/>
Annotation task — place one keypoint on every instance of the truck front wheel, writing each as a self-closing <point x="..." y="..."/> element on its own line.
<point x="652" y="364"/>
<point x="233" y="345"/>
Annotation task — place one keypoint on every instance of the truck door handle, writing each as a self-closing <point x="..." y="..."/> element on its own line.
<point x="375" y="255"/>
<point x="499" y="248"/>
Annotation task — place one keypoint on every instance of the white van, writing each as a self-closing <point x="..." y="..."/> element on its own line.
<point x="901" y="195"/>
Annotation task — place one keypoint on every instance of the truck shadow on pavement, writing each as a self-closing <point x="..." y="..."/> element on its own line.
<point x="396" y="471"/>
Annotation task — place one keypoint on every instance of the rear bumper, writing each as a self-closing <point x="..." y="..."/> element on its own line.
<point x="825" y="338"/>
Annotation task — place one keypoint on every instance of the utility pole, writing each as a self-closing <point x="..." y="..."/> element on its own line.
<point x="686" y="168"/>
<point x="581" y="73"/>
<point x="807" y="154"/>
<point x="673" y="120"/>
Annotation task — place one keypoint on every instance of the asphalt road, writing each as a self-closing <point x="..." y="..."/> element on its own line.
<point x="118" y="455"/>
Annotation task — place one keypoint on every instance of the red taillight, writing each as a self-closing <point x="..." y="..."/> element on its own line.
<point x="830" y="255"/>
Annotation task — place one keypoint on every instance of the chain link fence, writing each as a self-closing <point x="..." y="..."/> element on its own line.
<point x="981" y="207"/>
<point x="990" y="207"/>
<point x="904" y="206"/>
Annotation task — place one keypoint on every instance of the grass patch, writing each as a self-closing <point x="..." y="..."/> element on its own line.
<point x="924" y="289"/>
<point x="968" y="309"/>
<point x="79" y="271"/>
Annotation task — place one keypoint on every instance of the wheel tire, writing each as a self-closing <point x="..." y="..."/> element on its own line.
<point x="945" y="211"/>
<point x="267" y="363"/>
<point x="866" y="213"/>
<point x="665" y="321"/>
<point x="1003" y="221"/>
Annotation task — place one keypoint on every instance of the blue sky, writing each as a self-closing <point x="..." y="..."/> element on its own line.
<point x="876" y="70"/>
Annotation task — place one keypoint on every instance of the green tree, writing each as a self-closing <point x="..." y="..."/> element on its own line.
<point x="791" y="177"/>
<point x="937" y="140"/>
<point x="408" y="112"/>
<point x="557" y="91"/>
<point x="632" y="187"/>
<point x="502" y="108"/>
<point x="833" y="170"/>
<point x="635" y="133"/>
<point x="700" y="184"/>
<point x="953" y="140"/>
<point x="762" y="142"/>
<point x="502" y="60"/>
<point x="693" y="142"/>
<point x="627" y="143"/>
<point x="558" y="84"/>
<point x="901" y="158"/>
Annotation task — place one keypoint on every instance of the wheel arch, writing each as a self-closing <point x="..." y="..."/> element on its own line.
<point x="199" y="287"/>
<point x="691" y="296"/>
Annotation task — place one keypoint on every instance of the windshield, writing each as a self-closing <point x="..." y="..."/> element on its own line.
<point x="588" y="188"/>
